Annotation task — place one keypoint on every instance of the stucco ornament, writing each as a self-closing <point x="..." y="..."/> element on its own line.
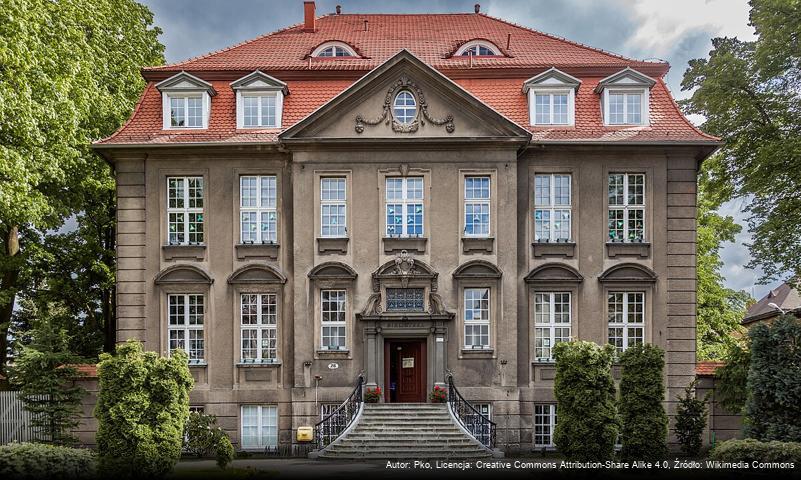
<point x="422" y="115"/>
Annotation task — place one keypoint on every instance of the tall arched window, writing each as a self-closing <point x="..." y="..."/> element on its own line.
<point x="404" y="108"/>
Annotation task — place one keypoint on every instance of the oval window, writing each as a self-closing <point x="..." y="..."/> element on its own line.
<point x="404" y="107"/>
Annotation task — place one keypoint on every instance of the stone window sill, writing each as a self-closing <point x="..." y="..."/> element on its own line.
<point x="333" y="352"/>
<point x="410" y="244"/>
<point x="477" y="244"/>
<point x="554" y="249"/>
<point x="202" y="364"/>
<point x="332" y="245"/>
<point x="628" y="249"/>
<point x="191" y="252"/>
<point x="275" y="364"/>
<point x="257" y="250"/>
<point x="478" y="351"/>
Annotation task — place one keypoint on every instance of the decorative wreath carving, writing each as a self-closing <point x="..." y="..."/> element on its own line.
<point x="421" y="116"/>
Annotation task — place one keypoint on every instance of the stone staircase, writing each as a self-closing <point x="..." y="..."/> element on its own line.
<point x="405" y="431"/>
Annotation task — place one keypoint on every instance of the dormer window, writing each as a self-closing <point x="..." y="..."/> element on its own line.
<point x="625" y="98"/>
<point x="259" y="101"/>
<point x="551" y="98"/>
<point x="333" y="50"/>
<point x="186" y="102"/>
<point x="477" y="48"/>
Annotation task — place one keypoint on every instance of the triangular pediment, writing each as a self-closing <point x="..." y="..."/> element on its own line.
<point x="551" y="78"/>
<point x="259" y="80"/>
<point x="441" y="109"/>
<point x="186" y="82"/>
<point x="628" y="77"/>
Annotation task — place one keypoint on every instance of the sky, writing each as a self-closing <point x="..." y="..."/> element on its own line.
<point x="672" y="30"/>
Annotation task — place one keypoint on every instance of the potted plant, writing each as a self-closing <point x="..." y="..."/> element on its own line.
<point x="372" y="395"/>
<point x="438" y="395"/>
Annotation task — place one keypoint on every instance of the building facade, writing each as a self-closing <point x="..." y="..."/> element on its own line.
<point x="403" y="196"/>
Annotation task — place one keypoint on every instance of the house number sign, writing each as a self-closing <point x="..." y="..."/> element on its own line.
<point x="408" y="362"/>
<point x="333" y="366"/>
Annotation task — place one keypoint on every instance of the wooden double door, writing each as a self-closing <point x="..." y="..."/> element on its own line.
<point x="405" y="371"/>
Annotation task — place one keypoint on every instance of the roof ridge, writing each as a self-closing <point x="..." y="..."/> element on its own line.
<point x="681" y="114"/>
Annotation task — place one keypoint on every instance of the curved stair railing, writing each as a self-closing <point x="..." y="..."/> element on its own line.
<point x="331" y="427"/>
<point x="479" y="426"/>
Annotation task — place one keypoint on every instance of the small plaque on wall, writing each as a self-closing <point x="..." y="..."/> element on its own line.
<point x="408" y="362"/>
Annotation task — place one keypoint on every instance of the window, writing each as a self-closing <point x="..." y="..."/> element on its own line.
<point x="551" y="108"/>
<point x="260" y="110"/>
<point x="258" y="197"/>
<point x="476" y="50"/>
<point x="185" y="210"/>
<point x="552" y="318"/>
<point x="484" y="433"/>
<point x="259" y="327"/>
<point x="626" y="207"/>
<point x="333" y="319"/>
<point x="552" y="208"/>
<point x="332" y="50"/>
<point x="626" y="316"/>
<point x="476" y="318"/>
<point x="185" y="325"/>
<point x="404" y="107"/>
<point x="625" y="107"/>
<point x="404" y="206"/>
<point x="326" y="409"/>
<point x="544" y="425"/>
<point x="259" y="427"/>
<point x="405" y="300"/>
<point x="186" y="111"/>
<point x="477" y="206"/>
<point x="333" y="210"/>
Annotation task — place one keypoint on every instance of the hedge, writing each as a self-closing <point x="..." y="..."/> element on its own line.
<point x="587" y="425"/>
<point x="751" y="450"/>
<point x="38" y="460"/>
<point x="642" y="413"/>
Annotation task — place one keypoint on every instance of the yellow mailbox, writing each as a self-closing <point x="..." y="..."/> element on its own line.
<point x="305" y="434"/>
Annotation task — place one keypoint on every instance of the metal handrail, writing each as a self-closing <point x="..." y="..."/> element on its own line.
<point x="331" y="427"/>
<point x="478" y="424"/>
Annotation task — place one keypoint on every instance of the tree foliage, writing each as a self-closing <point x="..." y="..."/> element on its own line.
<point x="45" y="375"/>
<point x="69" y="74"/>
<point x="690" y="420"/>
<point x="731" y="380"/>
<point x="141" y="410"/>
<point x="749" y="93"/>
<point x="585" y="394"/>
<point x="774" y="381"/>
<point x="644" y="423"/>
<point x="203" y="437"/>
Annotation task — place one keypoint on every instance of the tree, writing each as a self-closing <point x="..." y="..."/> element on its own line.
<point x="644" y="423"/>
<point x="45" y="375"/>
<point x="70" y="75"/>
<point x="585" y="394"/>
<point x="141" y="411"/>
<point x="774" y="381"/>
<point x="749" y="94"/>
<point x="731" y="380"/>
<point x="690" y="420"/>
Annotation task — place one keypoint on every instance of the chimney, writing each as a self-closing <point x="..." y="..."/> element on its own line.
<point x="339" y="9"/>
<point x="477" y="8"/>
<point x="308" y="16"/>
<point x="366" y="25"/>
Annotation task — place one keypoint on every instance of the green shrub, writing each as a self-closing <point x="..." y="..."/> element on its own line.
<point x="774" y="381"/>
<point x="585" y="395"/>
<point x="750" y="450"/>
<point x="141" y="411"/>
<point x="642" y="414"/>
<point x="731" y="380"/>
<point x="202" y="437"/>
<point x="38" y="460"/>
<point x="690" y="420"/>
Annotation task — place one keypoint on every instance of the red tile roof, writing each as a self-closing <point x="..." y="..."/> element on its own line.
<point x="497" y="81"/>
<point x="708" y="369"/>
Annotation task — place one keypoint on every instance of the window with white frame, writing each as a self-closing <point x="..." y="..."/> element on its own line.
<point x="327" y="409"/>
<point x="259" y="327"/>
<point x="333" y="207"/>
<point x="477" y="206"/>
<point x="476" y="49"/>
<point x="544" y="425"/>
<point x="552" y="319"/>
<point x="258" y="200"/>
<point x="484" y="431"/>
<point x="625" y="107"/>
<point x="186" y="110"/>
<point x="552" y="208"/>
<point x="404" y="206"/>
<point x="552" y="107"/>
<point x="626" y="318"/>
<point x="260" y="109"/>
<point x="476" y="318"/>
<point x="333" y="50"/>
<point x="626" y="202"/>
<point x="259" y="427"/>
<point x="185" y="325"/>
<point x="404" y="107"/>
<point x="332" y="305"/>
<point x="185" y="210"/>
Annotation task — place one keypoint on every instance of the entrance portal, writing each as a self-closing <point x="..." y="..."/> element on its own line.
<point x="405" y="371"/>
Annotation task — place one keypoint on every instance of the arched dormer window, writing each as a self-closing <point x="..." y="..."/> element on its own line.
<point x="477" y="48"/>
<point x="334" y="50"/>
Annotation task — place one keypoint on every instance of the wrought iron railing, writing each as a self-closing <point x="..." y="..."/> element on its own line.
<point x="478" y="424"/>
<point x="331" y="427"/>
